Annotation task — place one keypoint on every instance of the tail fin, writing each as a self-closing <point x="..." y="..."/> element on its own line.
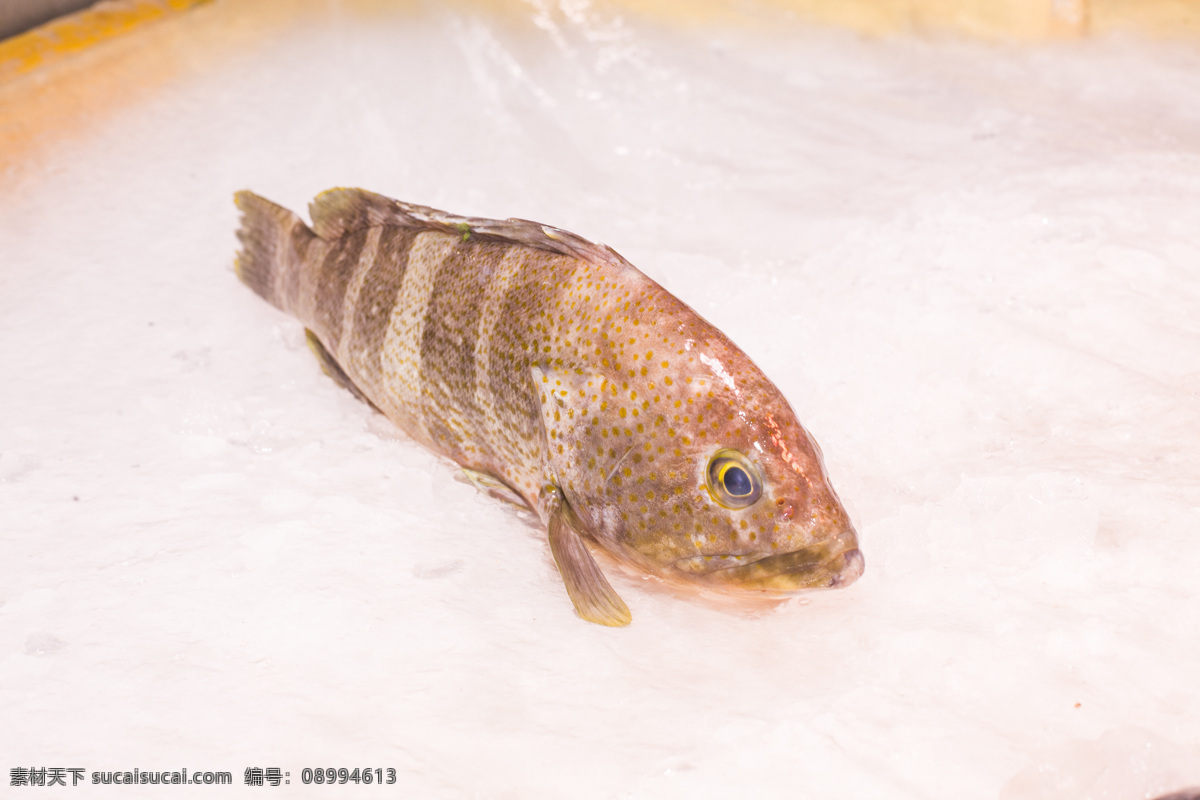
<point x="274" y="241"/>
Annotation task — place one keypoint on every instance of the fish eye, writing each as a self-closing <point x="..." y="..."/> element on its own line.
<point x="733" y="481"/>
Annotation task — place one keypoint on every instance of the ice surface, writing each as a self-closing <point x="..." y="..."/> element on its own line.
<point x="974" y="270"/>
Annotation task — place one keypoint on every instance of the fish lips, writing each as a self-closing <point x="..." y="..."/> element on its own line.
<point x="830" y="563"/>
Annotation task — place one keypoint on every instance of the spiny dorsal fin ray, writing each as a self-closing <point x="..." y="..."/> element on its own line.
<point x="590" y="592"/>
<point x="338" y="211"/>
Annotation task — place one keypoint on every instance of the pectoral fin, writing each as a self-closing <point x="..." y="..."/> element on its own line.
<point x="587" y="587"/>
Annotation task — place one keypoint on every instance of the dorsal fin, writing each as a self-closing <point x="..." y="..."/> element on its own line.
<point x="338" y="211"/>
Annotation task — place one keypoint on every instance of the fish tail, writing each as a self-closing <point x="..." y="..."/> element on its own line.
<point x="274" y="244"/>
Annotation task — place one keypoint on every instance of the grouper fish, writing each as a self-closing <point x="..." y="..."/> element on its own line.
<point x="561" y="378"/>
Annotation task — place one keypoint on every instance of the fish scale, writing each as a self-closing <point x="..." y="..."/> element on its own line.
<point x="561" y="377"/>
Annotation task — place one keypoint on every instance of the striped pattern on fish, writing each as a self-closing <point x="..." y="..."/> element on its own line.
<point x="566" y="380"/>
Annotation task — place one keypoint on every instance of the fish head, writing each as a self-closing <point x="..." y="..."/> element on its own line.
<point x="694" y="467"/>
<point x="765" y="517"/>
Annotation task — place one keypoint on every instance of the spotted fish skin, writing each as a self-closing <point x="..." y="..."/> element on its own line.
<point x="566" y="376"/>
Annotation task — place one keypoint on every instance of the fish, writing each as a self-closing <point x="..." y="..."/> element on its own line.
<point x="560" y="378"/>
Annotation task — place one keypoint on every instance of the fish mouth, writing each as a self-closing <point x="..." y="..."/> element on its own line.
<point x="831" y="563"/>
